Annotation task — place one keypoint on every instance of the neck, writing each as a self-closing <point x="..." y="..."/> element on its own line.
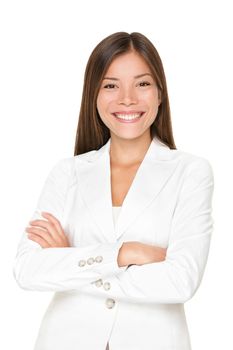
<point x="128" y="152"/>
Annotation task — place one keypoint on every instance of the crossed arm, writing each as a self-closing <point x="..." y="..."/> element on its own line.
<point x="130" y="253"/>
<point x="50" y="234"/>
<point x="45" y="261"/>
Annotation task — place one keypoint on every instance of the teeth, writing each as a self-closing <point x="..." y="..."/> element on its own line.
<point x="127" y="116"/>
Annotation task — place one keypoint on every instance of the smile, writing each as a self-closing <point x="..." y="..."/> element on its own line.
<point x="129" y="117"/>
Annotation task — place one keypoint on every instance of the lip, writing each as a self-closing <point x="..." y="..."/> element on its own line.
<point x="128" y="121"/>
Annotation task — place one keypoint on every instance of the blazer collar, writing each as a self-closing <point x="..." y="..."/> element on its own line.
<point x="94" y="177"/>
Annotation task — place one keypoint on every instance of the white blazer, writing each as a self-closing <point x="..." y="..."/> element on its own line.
<point x="95" y="300"/>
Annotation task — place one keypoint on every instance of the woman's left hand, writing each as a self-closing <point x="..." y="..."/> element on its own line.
<point x="48" y="234"/>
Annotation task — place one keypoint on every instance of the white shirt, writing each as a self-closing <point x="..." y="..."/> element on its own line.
<point x="115" y="212"/>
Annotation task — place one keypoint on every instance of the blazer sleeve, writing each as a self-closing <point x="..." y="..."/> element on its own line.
<point x="60" y="269"/>
<point x="177" y="278"/>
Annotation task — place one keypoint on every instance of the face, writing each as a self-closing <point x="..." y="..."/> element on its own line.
<point x="128" y="99"/>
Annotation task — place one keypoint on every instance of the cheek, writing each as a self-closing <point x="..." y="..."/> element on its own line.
<point x="101" y="104"/>
<point x="151" y="96"/>
<point x="104" y="100"/>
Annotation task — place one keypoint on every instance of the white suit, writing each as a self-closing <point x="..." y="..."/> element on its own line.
<point x="140" y="307"/>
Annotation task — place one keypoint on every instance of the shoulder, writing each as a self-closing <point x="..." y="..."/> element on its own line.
<point x="61" y="171"/>
<point x="193" y="168"/>
<point x="62" y="165"/>
<point x="193" y="161"/>
<point x="64" y="170"/>
<point x="67" y="164"/>
<point x="185" y="161"/>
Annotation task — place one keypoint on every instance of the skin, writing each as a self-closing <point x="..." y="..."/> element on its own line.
<point x="129" y="143"/>
<point x="48" y="233"/>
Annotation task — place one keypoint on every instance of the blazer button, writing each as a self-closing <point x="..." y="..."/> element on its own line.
<point x="110" y="303"/>
<point x="99" y="283"/>
<point x="82" y="263"/>
<point x="107" y="285"/>
<point x="90" y="261"/>
<point x="99" y="258"/>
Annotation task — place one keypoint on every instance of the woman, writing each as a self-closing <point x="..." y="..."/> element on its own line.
<point x="121" y="286"/>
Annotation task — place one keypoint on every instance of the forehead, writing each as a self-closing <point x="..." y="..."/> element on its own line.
<point x="129" y="63"/>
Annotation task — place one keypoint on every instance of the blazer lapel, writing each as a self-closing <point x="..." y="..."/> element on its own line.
<point x="94" y="174"/>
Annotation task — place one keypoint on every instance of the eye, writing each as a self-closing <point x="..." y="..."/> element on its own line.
<point x="106" y="86"/>
<point x="111" y="86"/>
<point x="145" y="82"/>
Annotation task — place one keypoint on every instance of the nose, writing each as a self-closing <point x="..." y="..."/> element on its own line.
<point x="127" y="96"/>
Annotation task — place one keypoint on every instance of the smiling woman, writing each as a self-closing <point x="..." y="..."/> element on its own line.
<point x="124" y="76"/>
<point x="130" y="100"/>
<point x="122" y="281"/>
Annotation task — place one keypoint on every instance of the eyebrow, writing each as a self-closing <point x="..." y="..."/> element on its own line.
<point x="136" y="77"/>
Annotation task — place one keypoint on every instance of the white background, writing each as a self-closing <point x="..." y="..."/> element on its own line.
<point x="44" y="49"/>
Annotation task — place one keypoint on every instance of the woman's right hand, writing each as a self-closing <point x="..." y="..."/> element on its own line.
<point x="140" y="253"/>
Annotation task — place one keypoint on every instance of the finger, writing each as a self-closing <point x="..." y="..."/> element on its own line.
<point x="54" y="221"/>
<point x="39" y="240"/>
<point x="48" y="226"/>
<point x="42" y="234"/>
<point x="42" y="223"/>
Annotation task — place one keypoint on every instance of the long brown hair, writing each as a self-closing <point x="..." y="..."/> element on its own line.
<point x="92" y="133"/>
